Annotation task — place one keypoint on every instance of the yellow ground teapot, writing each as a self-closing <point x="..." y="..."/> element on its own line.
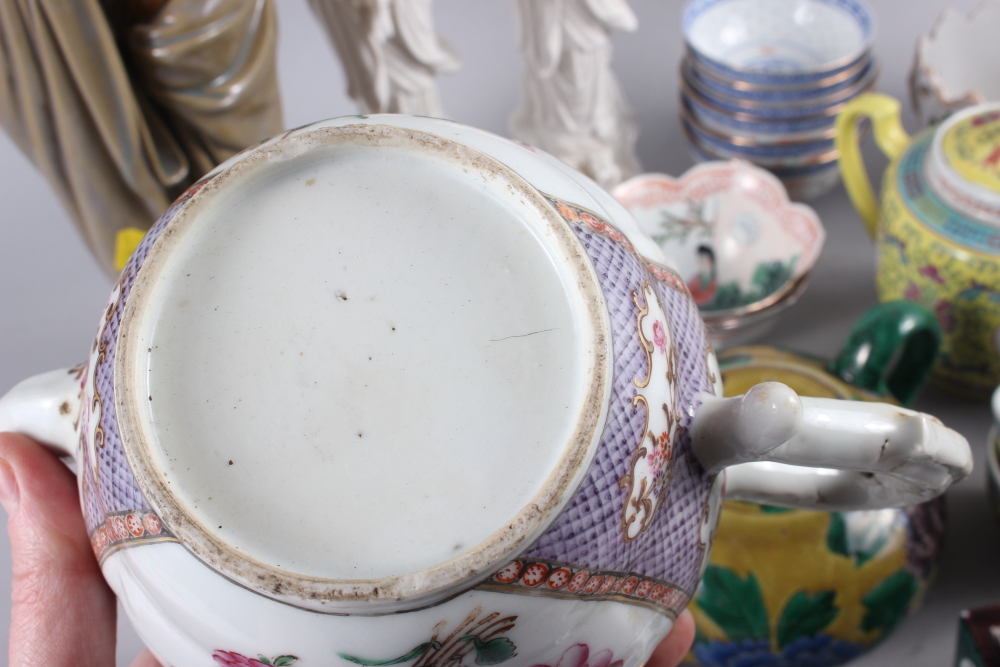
<point x="938" y="227"/>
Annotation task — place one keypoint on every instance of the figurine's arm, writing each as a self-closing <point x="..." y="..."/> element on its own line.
<point x="541" y="34"/>
<point x="613" y="14"/>
<point x="415" y="27"/>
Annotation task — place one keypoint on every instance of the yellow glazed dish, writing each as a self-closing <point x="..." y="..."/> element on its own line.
<point x="937" y="229"/>
<point x="794" y="587"/>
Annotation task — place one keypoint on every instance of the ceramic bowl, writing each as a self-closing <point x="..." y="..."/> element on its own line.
<point x="717" y="119"/>
<point x="743" y="249"/>
<point x="769" y="156"/>
<point x="778" y="41"/>
<point x="807" y="110"/>
<point x="795" y="98"/>
<point x="801" y="183"/>
<point x="955" y="65"/>
<point x="779" y="84"/>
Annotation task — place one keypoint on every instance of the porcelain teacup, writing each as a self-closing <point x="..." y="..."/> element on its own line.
<point x="391" y="390"/>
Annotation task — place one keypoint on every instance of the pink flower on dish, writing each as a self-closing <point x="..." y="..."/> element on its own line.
<point x="945" y="316"/>
<point x="232" y="659"/>
<point x="912" y="292"/>
<point x="578" y="655"/>
<point x="659" y="336"/>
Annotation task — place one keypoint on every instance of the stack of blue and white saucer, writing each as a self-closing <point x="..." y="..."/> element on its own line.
<point x="763" y="81"/>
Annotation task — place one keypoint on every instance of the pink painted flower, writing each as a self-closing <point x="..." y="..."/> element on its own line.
<point x="945" y="316"/>
<point x="232" y="659"/>
<point x="660" y="454"/>
<point x="912" y="292"/>
<point x="659" y="336"/>
<point x="578" y="655"/>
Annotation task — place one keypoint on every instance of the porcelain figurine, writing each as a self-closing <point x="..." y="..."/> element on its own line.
<point x="937" y="229"/>
<point x="571" y="103"/>
<point x="820" y="588"/>
<point x="954" y="65"/>
<point x="393" y="364"/>
<point x="390" y="53"/>
<point x="744" y="250"/>
<point x="169" y="90"/>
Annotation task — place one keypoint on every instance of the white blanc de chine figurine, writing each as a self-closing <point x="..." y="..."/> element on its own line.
<point x="390" y="53"/>
<point x="571" y="103"/>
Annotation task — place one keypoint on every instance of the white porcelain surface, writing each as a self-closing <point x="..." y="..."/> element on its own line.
<point x="169" y="594"/>
<point x="229" y="612"/>
<point x="777" y="35"/>
<point x="955" y="64"/>
<point x="378" y="323"/>
<point x="738" y="212"/>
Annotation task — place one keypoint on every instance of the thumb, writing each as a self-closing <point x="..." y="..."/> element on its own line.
<point x="63" y="611"/>
<point x="675" y="645"/>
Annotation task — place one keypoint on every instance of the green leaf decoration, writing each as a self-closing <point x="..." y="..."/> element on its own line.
<point x="836" y="535"/>
<point x="886" y="604"/>
<point x="263" y="659"/>
<point x="771" y="276"/>
<point x="728" y="295"/>
<point x="805" y="615"/>
<point x="412" y="655"/>
<point x="492" y="652"/>
<point x="735" y="604"/>
<point x="838" y="540"/>
<point x="283" y="660"/>
<point x="771" y="509"/>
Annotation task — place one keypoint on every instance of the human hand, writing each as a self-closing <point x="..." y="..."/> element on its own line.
<point x="64" y="612"/>
<point x="674" y="646"/>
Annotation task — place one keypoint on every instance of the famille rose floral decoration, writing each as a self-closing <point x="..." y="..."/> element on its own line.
<point x="487" y="397"/>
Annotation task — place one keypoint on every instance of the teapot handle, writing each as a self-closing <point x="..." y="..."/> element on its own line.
<point x="818" y="453"/>
<point x="869" y="357"/>
<point x="884" y="112"/>
<point x="46" y="408"/>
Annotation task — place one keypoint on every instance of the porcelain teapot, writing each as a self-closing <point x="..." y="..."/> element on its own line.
<point x="937" y="229"/>
<point x="390" y="390"/>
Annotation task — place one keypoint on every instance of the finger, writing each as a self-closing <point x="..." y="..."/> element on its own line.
<point x="675" y="645"/>
<point x="145" y="659"/>
<point x="63" y="611"/>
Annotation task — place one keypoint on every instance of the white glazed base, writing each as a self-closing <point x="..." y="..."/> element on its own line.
<point x="184" y="613"/>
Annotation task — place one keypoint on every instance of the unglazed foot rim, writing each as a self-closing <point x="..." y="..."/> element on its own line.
<point x="408" y="590"/>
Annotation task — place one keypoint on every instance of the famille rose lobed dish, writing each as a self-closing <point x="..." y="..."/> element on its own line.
<point x="955" y="65"/>
<point x="392" y="390"/>
<point x="741" y="247"/>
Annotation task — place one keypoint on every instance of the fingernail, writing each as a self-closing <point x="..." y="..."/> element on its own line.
<point x="10" y="496"/>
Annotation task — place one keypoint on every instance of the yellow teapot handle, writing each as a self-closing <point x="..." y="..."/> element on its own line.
<point x="890" y="137"/>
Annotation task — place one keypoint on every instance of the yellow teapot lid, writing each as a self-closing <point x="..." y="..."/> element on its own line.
<point x="971" y="147"/>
